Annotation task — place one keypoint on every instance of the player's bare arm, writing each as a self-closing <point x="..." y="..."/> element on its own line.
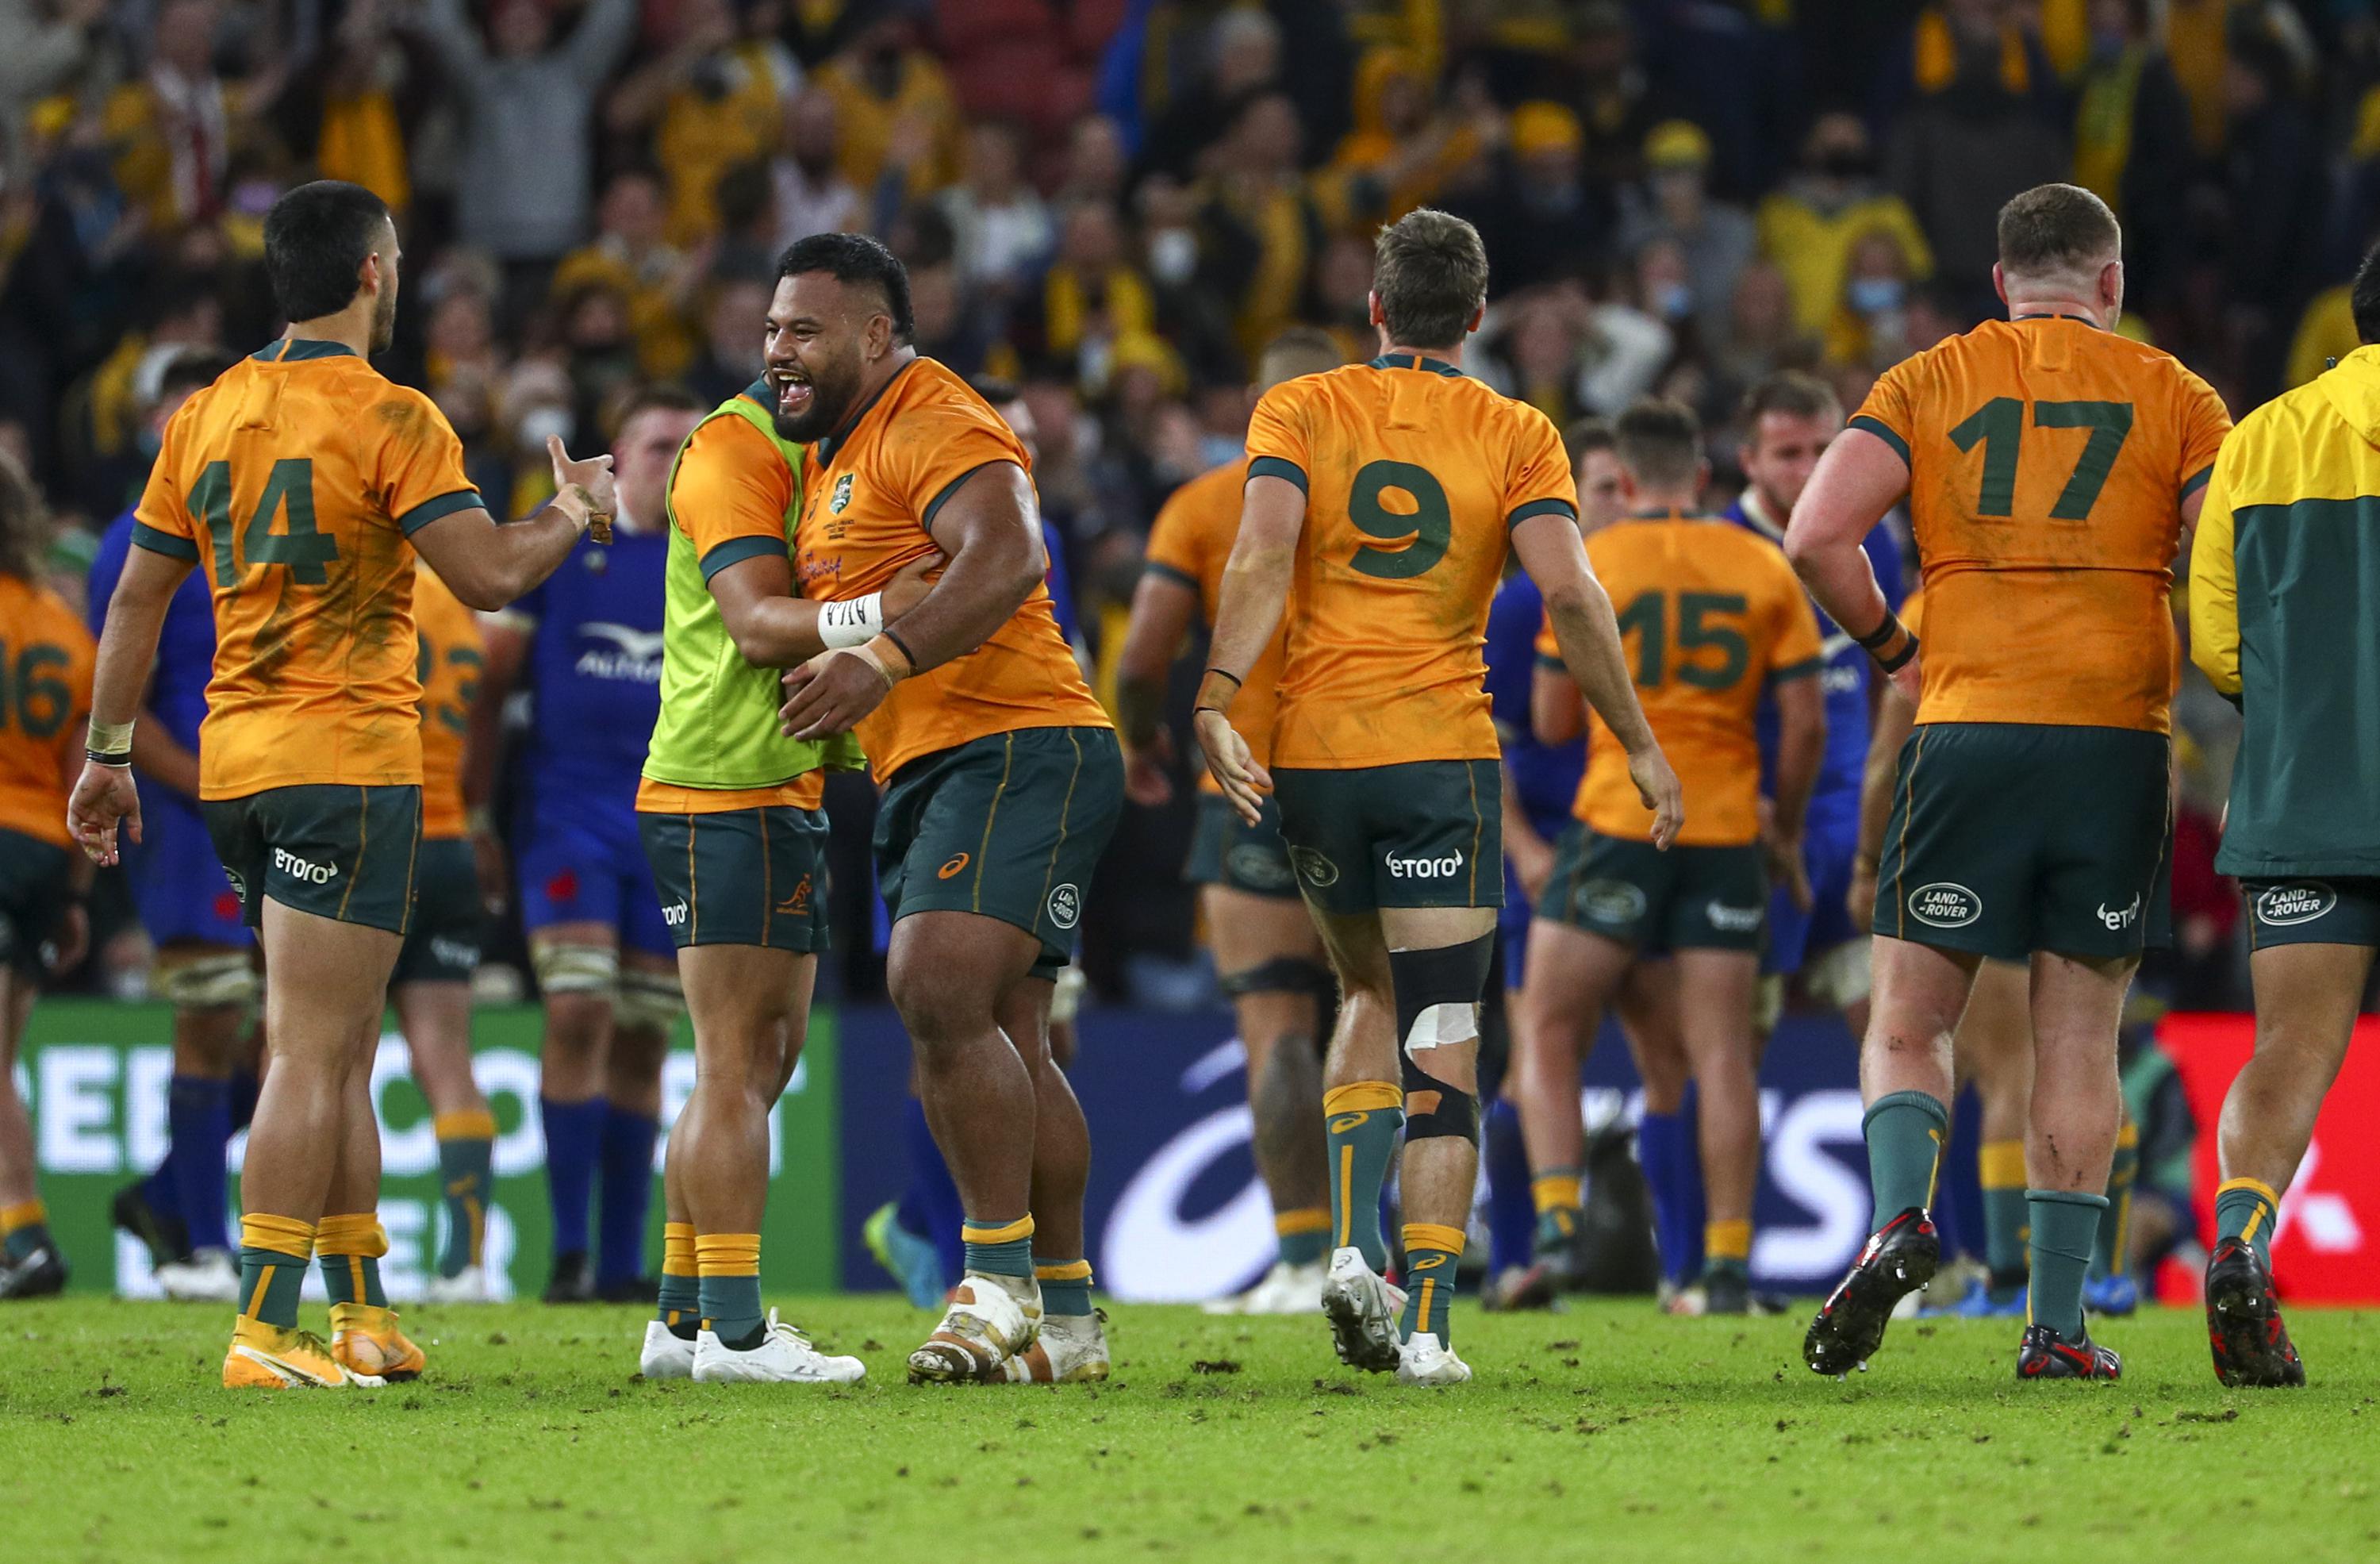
<point x="991" y="529"/>
<point x="1550" y="551"/>
<point x="489" y="565"/>
<point x="1858" y="479"/>
<point x="773" y="628"/>
<point x="1162" y="611"/>
<point x="1256" y="592"/>
<point x="1801" y="747"/>
<point x="1556" y="711"/>
<point x="104" y="798"/>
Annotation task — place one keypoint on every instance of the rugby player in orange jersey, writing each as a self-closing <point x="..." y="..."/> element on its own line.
<point x="2051" y="466"/>
<point x="1387" y="494"/>
<point x="303" y="483"/>
<point x="1002" y="779"/>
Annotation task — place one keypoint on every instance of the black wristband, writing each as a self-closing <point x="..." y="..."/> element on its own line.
<point x="887" y="634"/>
<point x="125" y="759"/>
<point x="1237" y="683"/>
<point x="1880" y="636"/>
<point x="1895" y="664"/>
<point x="1217" y="710"/>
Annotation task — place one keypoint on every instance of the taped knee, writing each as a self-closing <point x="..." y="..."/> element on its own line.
<point x="207" y="982"/>
<point x="1282" y="974"/>
<point x="1438" y="1005"/>
<point x="575" y="968"/>
<point x="652" y="999"/>
<point x="1433" y="1107"/>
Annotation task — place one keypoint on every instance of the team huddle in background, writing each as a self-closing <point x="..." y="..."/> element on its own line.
<point x="1495" y="722"/>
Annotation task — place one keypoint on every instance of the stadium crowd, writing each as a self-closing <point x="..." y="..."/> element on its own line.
<point x="1114" y="203"/>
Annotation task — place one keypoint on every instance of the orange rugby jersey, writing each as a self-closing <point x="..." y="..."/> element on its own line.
<point x="2048" y="465"/>
<point x="1191" y="542"/>
<point x="1415" y="474"/>
<point x="869" y="492"/>
<point x="45" y="663"/>
<point x="1711" y="615"/>
<point x="292" y="483"/>
<point x="453" y="655"/>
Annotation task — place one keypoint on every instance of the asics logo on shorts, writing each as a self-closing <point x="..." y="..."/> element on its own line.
<point x="955" y="868"/>
<point x="2298" y="903"/>
<point x="297" y="868"/>
<point x="1423" y="868"/>
<point x="1945" y="905"/>
<point x="2123" y="917"/>
<point x="1312" y="867"/>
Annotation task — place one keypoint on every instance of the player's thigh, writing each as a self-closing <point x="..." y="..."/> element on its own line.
<point x="1715" y="994"/>
<point x="1956" y="869"/>
<point x="749" y="1005"/>
<point x="442" y="946"/>
<point x="1358" y="950"/>
<point x="2105" y="807"/>
<point x="1995" y="1033"/>
<point x="1272" y="963"/>
<point x="1229" y="854"/>
<point x="1921" y="990"/>
<point x="340" y="854"/>
<point x="2078" y="1008"/>
<point x="323" y="983"/>
<point x="2308" y="997"/>
<point x="33" y="888"/>
<point x="1007" y="827"/>
<point x="1573" y="975"/>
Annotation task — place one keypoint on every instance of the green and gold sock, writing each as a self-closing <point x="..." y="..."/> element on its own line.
<point x="273" y="1251"/>
<point x="1433" y="1255"/>
<point x="466" y="1144"/>
<point x="1362" y="1119"/>
<point x="2110" y="1253"/>
<point x="998" y="1249"/>
<point x="1555" y="1192"/>
<point x="2006" y="1227"/>
<point x="24" y="1229"/>
<point x="1065" y="1286"/>
<point x="730" y="1287"/>
<point x="1905" y="1133"/>
<point x="1726" y="1246"/>
<point x="2063" y="1227"/>
<point x="2245" y="1209"/>
<point x="349" y="1246"/>
<point x="1303" y="1235"/>
<point x="680" y="1306"/>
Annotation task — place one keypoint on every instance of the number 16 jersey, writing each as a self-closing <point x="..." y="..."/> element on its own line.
<point x="292" y="483"/>
<point x="2048" y="461"/>
<point x="1415" y="474"/>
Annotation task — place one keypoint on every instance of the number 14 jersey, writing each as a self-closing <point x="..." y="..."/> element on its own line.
<point x="1414" y="475"/>
<point x="2048" y="461"/>
<point x="292" y="483"/>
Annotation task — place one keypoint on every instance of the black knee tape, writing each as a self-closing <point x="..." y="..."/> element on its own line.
<point x="1432" y="1108"/>
<point x="1282" y="974"/>
<point x="1452" y="974"/>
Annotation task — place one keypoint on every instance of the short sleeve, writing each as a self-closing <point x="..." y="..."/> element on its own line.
<point x="1796" y="652"/>
<point x="1174" y="546"/>
<point x="2204" y="422"/>
<point x="1539" y="481"/>
<point x="416" y="473"/>
<point x="1889" y="413"/>
<point x="954" y="449"/>
<point x="1277" y="437"/>
<point x="161" y="522"/>
<point x="730" y="493"/>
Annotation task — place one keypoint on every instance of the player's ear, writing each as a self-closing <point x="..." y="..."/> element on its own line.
<point x="2111" y="287"/>
<point x="1999" y="282"/>
<point x="1478" y="314"/>
<point x="1372" y="309"/>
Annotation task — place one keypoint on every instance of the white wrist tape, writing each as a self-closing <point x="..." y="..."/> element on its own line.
<point x="854" y="622"/>
<point x="109" y="737"/>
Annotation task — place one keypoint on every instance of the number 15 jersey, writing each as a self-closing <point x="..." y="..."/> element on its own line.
<point x="2048" y="464"/>
<point x="292" y="483"/>
<point x="1414" y="475"/>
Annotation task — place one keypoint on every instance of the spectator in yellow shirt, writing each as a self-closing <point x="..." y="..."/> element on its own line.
<point x="884" y="83"/>
<point x="716" y="100"/>
<point x="1808" y="228"/>
<point x="630" y="257"/>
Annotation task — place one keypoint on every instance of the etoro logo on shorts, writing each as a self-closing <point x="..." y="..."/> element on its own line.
<point x="1944" y="905"/>
<point x="1065" y="906"/>
<point x="297" y="868"/>
<point x="2301" y="902"/>
<point x="1313" y="868"/>
<point x="1423" y="867"/>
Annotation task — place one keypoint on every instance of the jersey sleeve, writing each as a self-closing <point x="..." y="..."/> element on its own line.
<point x="1539" y="481"/>
<point x="1891" y="411"/>
<point x="1174" y="544"/>
<point x="2204" y="422"/>
<point x="161" y="521"/>
<point x="959" y="443"/>
<point x="2215" y="581"/>
<point x="1278" y="446"/>
<point x="416" y="470"/>
<point x="729" y="494"/>
<point x="1794" y="649"/>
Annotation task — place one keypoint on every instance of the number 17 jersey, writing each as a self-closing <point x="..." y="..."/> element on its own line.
<point x="2048" y="461"/>
<point x="1414" y="475"/>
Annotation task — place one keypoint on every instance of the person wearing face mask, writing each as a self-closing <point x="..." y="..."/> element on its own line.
<point x="1807" y="227"/>
<point x="1674" y="202"/>
<point x="1868" y="326"/>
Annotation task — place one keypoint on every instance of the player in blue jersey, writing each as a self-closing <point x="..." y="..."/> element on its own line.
<point x="205" y="963"/>
<point x="587" y="647"/>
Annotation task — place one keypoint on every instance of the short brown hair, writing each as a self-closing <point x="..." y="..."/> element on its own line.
<point x="1796" y="393"/>
<point x="1430" y="272"/>
<point x="1659" y="441"/>
<point x="2052" y="229"/>
<point x="1296" y="351"/>
<point x="1586" y="435"/>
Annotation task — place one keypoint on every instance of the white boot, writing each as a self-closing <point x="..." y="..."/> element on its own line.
<point x="784" y="1356"/>
<point x="1363" y="1309"/>
<point x="1426" y="1362"/>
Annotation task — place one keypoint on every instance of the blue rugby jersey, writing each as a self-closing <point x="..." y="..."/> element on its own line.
<point x="594" y="666"/>
<point x="185" y="649"/>
<point x="1545" y="777"/>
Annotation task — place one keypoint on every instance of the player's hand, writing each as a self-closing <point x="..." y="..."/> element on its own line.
<point x="73" y="942"/>
<point x="830" y="693"/>
<point x="1786" y="867"/>
<point x="910" y="584"/>
<point x="1907" y="679"/>
<point x="1661" y="791"/>
<point x="493" y="874"/>
<point x="1533" y="862"/>
<point x="104" y="796"/>
<point x="593" y="476"/>
<point x="1230" y="763"/>
<point x="1860" y="899"/>
<point x="1146" y="772"/>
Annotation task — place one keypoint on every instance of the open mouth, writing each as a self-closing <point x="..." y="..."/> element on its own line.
<point x="794" y="394"/>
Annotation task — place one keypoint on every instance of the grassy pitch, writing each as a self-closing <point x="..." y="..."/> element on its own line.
<point x="1604" y="1433"/>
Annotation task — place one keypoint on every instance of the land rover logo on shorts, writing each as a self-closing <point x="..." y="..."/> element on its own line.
<point x="1610" y="901"/>
<point x="1313" y="868"/>
<point x="1945" y="906"/>
<point x="2298" y="903"/>
<point x="842" y="495"/>
<point x="1260" y="867"/>
<point x="1065" y="906"/>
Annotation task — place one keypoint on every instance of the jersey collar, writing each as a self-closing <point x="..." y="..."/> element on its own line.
<point x="832" y="445"/>
<point x="2057" y="315"/>
<point x="291" y="348"/>
<point x="1667" y="514"/>
<point x="1757" y="514"/>
<point x="1416" y="361"/>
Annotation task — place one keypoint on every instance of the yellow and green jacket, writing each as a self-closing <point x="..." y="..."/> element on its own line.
<point x="2285" y="620"/>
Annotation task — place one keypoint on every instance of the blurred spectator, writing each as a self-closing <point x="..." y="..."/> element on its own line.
<point x="1001" y="228"/>
<point x="1807" y="226"/>
<point x="378" y="81"/>
<point x="1762" y="334"/>
<point x="1735" y="72"/>
<point x="1870" y="326"/>
<point x="1568" y="354"/>
<point x="1968" y="49"/>
<point x="894" y="97"/>
<point x="1715" y="238"/>
<point x="2273" y="181"/>
<point x="1615" y="102"/>
<point x="2132" y="143"/>
<point x="1542" y="219"/>
<point x="41" y="46"/>
<point x="1401" y="148"/>
<point x="716" y="98"/>
<point x="173" y="125"/>
<point x="1096" y="163"/>
<point x="1243" y="52"/>
<point x="812" y="195"/>
<point x="748" y="222"/>
<point x="1091" y="297"/>
<point x="528" y="105"/>
<point x="630" y="258"/>
<point x="1261" y="218"/>
<point x="734" y="327"/>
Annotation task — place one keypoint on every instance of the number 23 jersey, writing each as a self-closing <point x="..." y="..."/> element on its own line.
<point x="292" y="483"/>
<point x="2048" y="461"/>
<point x="1414" y="475"/>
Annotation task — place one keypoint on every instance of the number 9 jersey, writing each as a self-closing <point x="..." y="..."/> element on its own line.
<point x="293" y="482"/>
<point x="1415" y="474"/>
<point x="2048" y="461"/>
